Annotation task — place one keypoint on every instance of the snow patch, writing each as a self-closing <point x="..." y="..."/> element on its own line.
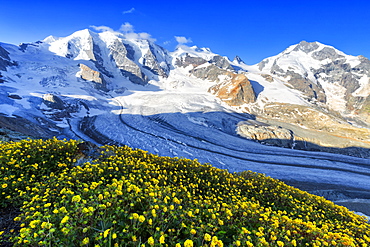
<point x="8" y="109"/>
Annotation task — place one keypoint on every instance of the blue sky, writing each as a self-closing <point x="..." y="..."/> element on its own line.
<point x="252" y="30"/>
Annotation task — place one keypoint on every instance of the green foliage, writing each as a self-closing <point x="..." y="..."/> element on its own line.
<point x="129" y="197"/>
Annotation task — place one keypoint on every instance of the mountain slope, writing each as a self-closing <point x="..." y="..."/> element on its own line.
<point x="313" y="86"/>
<point x="324" y="75"/>
<point x="107" y="88"/>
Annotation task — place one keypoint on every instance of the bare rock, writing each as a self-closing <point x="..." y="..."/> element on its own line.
<point x="89" y="74"/>
<point x="53" y="101"/>
<point x="4" y="59"/>
<point x="188" y="60"/>
<point x="221" y="62"/>
<point x="236" y="91"/>
<point x="267" y="134"/>
<point x="121" y="56"/>
<point x="14" y="96"/>
<point x="150" y="62"/>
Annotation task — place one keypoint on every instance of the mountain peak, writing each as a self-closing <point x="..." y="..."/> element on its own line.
<point x="306" y="47"/>
<point x="237" y="59"/>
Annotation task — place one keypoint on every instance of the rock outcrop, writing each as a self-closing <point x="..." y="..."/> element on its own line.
<point x="311" y="90"/>
<point x="281" y="134"/>
<point x="235" y="91"/>
<point x="150" y="62"/>
<point x="127" y="67"/>
<point x="188" y="60"/>
<point x="221" y="62"/>
<point x="4" y="59"/>
<point x="267" y="134"/>
<point x="53" y="101"/>
<point x="96" y="77"/>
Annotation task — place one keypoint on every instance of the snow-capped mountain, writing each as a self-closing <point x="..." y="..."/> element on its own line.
<point x="323" y="74"/>
<point x="107" y="88"/>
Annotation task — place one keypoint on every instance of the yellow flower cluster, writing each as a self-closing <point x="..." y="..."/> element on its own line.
<point x="129" y="197"/>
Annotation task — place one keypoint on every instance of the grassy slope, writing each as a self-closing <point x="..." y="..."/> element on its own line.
<point x="125" y="197"/>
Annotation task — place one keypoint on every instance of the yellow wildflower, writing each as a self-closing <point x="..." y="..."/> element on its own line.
<point x="188" y="243"/>
<point x="249" y="244"/>
<point x="65" y="219"/>
<point x="85" y="241"/>
<point x="280" y="244"/>
<point x="151" y="241"/>
<point x="76" y="198"/>
<point x="161" y="239"/>
<point x="207" y="237"/>
<point x="106" y="232"/>
<point x="141" y="218"/>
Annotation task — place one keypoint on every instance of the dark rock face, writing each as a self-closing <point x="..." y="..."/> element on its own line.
<point x="24" y="46"/>
<point x="4" y="53"/>
<point x="311" y="90"/>
<point x="238" y="59"/>
<point x="262" y="64"/>
<point x="221" y="62"/>
<point x="127" y="67"/>
<point x="4" y="60"/>
<point x="130" y="52"/>
<point x="14" y="96"/>
<point x="150" y="62"/>
<point x="276" y="70"/>
<point x="187" y="60"/>
<point x="326" y="53"/>
<point x="210" y="72"/>
<point x="53" y="101"/>
<point x="363" y="67"/>
<point x="99" y="61"/>
<point x="306" y="47"/>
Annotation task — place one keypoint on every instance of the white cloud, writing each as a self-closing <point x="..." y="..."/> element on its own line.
<point x="183" y="40"/>
<point x="167" y="42"/>
<point x="145" y="36"/>
<point x="132" y="35"/>
<point x="102" y="28"/>
<point x="128" y="11"/>
<point x="126" y="30"/>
